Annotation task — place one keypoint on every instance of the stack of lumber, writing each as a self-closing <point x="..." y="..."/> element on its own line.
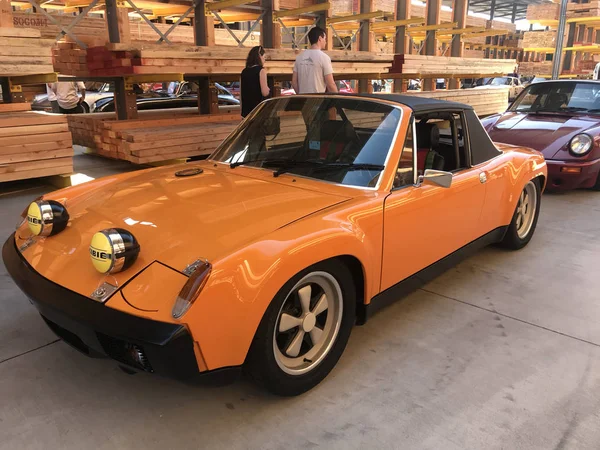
<point x="484" y="101"/>
<point x="539" y="39"/>
<point x="69" y="59"/>
<point x="23" y="52"/>
<point x="544" y="11"/>
<point x="449" y="67"/>
<point x="535" y="68"/>
<point x="154" y="136"/>
<point x="93" y="32"/>
<point x="33" y="144"/>
<point x="473" y="53"/>
<point x="136" y="58"/>
<point x="591" y="9"/>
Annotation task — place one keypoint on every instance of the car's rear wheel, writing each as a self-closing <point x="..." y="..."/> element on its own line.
<point x="86" y="107"/>
<point x="305" y="330"/>
<point x="596" y="186"/>
<point x="524" y="221"/>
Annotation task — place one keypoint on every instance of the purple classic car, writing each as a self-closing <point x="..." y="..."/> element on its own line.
<point x="561" y="119"/>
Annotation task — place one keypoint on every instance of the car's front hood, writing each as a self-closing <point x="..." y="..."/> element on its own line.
<point x="175" y="219"/>
<point x="547" y="133"/>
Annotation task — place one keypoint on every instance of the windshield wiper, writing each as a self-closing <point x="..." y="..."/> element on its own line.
<point x="288" y="164"/>
<point x="351" y="166"/>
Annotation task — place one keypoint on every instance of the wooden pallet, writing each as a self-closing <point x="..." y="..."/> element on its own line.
<point x="33" y="144"/>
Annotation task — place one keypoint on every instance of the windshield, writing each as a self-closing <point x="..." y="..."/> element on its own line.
<point x="499" y="81"/>
<point x="559" y="97"/>
<point x="335" y="139"/>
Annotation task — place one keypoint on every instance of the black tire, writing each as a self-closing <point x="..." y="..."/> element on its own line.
<point x="512" y="240"/>
<point x="86" y="108"/>
<point x="261" y="364"/>
<point x="596" y="187"/>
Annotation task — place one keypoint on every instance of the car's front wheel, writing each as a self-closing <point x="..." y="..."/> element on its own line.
<point x="521" y="229"/>
<point x="304" y="330"/>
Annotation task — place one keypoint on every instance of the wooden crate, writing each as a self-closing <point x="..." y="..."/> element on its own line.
<point x="33" y="144"/>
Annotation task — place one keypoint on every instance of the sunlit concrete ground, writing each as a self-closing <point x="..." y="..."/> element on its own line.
<point x="501" y="352"/>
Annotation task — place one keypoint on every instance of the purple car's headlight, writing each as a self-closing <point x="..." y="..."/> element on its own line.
<point x="581" y="144"/>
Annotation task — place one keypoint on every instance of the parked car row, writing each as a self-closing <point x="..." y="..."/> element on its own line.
<point x="99" y="97"/>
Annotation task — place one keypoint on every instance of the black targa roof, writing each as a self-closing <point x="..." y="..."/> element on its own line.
<point x="417" y="103"/>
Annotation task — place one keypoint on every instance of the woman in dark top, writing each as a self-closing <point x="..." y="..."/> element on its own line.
<point x="254" y="88"/>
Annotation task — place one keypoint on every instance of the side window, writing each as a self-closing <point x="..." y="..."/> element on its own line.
<point x="461" y="141"/>
<point x="441" y="142"/>
<point x="405" y="173"/>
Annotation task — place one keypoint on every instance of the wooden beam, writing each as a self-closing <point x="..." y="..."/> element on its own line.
<point x="35" y="79"/>
<point x="225" y="4"/>
<point x="396" y="23"/>
<point x="441" y="26"/>
<point x="299" y="11"/>
<point x="356" y="17"/>
<point x="465" y="31"/>
<point x="457" y="46"/>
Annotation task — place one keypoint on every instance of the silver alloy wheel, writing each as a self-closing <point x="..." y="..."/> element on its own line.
<point x="526" y="210"/>
<point x="308" y="323"/>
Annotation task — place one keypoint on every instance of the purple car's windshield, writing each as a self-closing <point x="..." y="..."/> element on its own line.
<point x="337" y="139"/>
<point x="559" y="97"/>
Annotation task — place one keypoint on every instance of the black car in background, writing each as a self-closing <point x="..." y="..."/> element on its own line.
<point x="174" y="95"/>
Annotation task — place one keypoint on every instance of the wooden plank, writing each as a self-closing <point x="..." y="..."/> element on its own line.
<point x="14" y="107"/>
<point x="35" y="147"/>
<point x="26" y="131"/>
<point x="33" y="139"/>
<point x="19" y="33"/>
<point x="35" y="156"/>
<point x="30" y="118"/>
<point x="66" y="168"/>
<point x="32" y="165"/>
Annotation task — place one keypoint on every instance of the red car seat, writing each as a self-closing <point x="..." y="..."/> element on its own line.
<point x="335" y="135"/>
<point x="428" y="141"/>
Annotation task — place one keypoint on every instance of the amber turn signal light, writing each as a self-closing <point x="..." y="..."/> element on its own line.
<point x="567" y="169"/>
<point x="192" y="288"/>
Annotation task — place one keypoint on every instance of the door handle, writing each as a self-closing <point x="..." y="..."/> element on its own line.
<point x="482" y="177"/>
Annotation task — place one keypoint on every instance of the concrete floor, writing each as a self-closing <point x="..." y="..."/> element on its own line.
<point x="501" y="352"/>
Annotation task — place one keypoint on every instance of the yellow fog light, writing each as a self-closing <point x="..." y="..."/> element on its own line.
<point x="47" y="217"/>
<point x="113" y="250"/>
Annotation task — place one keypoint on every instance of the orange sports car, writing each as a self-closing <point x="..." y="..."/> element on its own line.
<point x="314" y="213"/>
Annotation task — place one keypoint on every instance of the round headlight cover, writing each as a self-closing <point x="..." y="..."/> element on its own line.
<point x="113" y="250"/>
<point x="581" y="144"/>
<point x="47" y="217"/>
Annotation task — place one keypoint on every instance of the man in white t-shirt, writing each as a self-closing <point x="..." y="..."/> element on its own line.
<point x="69" y="102"/>
<point x="313" y="73"/>
<point x="52" y="98"/>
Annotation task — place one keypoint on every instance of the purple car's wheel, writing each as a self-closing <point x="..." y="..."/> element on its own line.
<point x="521" y="229"/>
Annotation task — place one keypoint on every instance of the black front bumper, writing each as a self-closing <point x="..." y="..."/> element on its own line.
<point x="97" y="330"/>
